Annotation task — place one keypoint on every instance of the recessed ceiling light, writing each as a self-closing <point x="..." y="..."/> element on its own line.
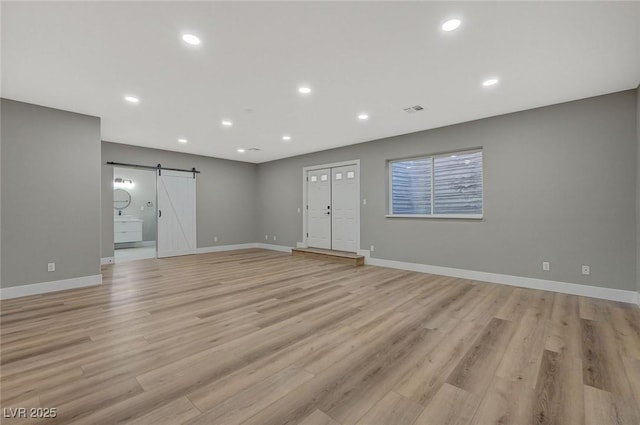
<point x="240" y="150"/>
<point x="131" y="99"/>
<point x="363" y="117"/>
<point x="490" y="82"/>
<point x="451" y="24"/>
<point x="304" y="90"/>
<point x="182" y="140"/>
<point x="190" y="39"/>
<point x="227" y="123"/>
<point x="286" y="138"/>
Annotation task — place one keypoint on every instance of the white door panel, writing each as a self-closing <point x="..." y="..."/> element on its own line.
<point x="176" y="213"/>
<point x="319" y="208"/>
<point x="344" y="208"/>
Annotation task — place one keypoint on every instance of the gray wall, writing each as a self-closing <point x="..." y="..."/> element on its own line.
<point x="50" y="194"/>
<point x="143" y="191"/>
<point x="557" y="185"/>
<point x="638" y="191"/>
<point x="225" y="191"/>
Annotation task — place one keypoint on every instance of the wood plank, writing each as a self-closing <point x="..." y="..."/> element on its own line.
<point x="318" y="418"/>
<point x="558" y="393"/>
<point x="603" y="408"/>
<point x="392" y="409"/>
<point x="479" y="364"/>
<point x="525" y="350"/>
<point x="450" y="406"/>
<point x="251" y="400"/>
<point x="506" y="402"/>
<point x="175" y="412"/>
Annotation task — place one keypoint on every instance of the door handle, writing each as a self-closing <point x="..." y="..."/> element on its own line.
<point x="159" y="213"/>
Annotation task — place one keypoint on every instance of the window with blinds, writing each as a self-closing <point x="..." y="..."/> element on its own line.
<point x="446" y="185"/>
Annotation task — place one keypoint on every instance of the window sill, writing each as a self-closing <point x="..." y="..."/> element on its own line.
<point x="438" y="216"/>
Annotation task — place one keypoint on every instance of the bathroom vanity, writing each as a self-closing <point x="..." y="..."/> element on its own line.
<point x="127" y="229"/>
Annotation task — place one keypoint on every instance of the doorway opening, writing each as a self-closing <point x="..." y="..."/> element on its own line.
<point x="134" y="214"/>
<point x="331" y="197"/>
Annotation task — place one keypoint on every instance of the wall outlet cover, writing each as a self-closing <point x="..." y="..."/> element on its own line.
<point x="51" y="267"/>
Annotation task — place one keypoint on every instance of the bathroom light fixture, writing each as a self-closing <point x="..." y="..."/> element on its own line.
<point x="121" y="183"/>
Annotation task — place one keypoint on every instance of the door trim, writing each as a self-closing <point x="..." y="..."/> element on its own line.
<point x="305" y="170"/>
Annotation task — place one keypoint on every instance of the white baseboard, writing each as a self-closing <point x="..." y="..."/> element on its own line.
<point x="300" y="245"/>
<point x="107" y="260"/>
<point x="274" y="247"/>
<point x="523" y="282"/>
<point x="221" y="248"/>
<point x="44" y="287"/>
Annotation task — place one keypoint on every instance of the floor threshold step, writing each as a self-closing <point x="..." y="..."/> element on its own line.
<point x="330" y="255"/>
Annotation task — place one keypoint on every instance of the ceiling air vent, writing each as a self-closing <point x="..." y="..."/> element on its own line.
<point x="253" y="149"/>
<point x="413" y="109"/>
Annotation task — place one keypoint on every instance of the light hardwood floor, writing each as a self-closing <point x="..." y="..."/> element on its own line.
<point x="259" y="337"/>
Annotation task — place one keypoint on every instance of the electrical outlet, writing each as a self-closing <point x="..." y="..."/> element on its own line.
<point x="372" y="248"/>
<point x="364" y="201"/>
<point x="274" y="237"/>
<point x="545" y="266"/>
<point x="586" y="270"/>
<point x="266" y="237"/>
<point x="215" y="239"/>
<point x="51" y="267"/>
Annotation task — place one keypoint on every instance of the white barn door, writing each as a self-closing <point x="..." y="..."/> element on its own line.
<point x="319" y="208"/>
<point x="344" y="208"/>
<point x="176" y="213"/>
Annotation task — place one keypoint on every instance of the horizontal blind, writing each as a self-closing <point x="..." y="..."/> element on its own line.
<point x="458" y="183"/>
<point x="411" y="186"/>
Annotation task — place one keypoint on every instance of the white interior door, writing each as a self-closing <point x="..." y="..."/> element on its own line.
<point x="176" y="213"/>
<point x="319" y="208"/>
<point x="344" y="206"/>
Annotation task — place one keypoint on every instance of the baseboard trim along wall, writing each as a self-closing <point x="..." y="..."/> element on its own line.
<point x="53" y="286"/>
<point x="281" y="248"/>
<point x="107" y="260"/>
<point x="220" y="248"/>
<point x="504" y="279"/>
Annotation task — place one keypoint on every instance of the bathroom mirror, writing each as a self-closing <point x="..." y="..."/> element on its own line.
<point x="121" y="199"/>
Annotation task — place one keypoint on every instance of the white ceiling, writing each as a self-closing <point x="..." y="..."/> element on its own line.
<point x="376" y="57"/>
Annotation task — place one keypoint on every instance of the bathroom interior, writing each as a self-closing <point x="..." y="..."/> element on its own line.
<point x="134" y="214"/>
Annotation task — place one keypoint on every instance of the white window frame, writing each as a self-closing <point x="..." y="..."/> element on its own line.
<point x="432" y="157"/>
